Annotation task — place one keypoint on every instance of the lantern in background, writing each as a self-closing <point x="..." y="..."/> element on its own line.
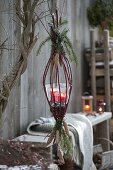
<point x="100" y="106"/>
<point x="87" y="103"/>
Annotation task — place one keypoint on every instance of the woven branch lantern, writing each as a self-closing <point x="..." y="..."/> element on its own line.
<point x="57" y="83"/>
<point x="58" y="92"/>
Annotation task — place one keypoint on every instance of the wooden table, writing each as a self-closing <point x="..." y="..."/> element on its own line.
<point x="101" y="127"/>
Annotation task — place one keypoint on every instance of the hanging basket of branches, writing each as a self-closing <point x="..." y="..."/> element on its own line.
<point x="57" y="83"/>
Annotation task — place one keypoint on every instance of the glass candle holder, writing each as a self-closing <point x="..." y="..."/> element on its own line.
<point x="87" y="103"/>
<point x="56" y="94"/>
<point x="58" y="97"/>
<point x="100" y="106"/>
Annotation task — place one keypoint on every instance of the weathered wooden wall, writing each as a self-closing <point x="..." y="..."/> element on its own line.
<point x="32" y="102"/>
<point x="9" y="28"/>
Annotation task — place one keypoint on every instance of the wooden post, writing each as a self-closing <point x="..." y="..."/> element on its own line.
<point x="107" y="70"/>
<point x="93" y="76"/>
<point x="107" y="73"/>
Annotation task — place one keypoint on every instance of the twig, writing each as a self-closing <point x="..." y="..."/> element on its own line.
<point x="106" y="140"/>
<point x="44" y="26"/>
<point x="3" y="42"/>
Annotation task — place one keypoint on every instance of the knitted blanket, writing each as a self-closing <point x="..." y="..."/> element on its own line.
<point x="85" y="134"/>
<point x="81" y="131"/>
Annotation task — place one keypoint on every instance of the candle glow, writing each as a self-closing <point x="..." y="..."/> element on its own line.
<point x="87" y="108"/>
<point x="57" y="96"/>
<point x="100" y="109"/>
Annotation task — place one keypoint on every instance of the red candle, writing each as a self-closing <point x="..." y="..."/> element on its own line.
<point x="63" y="97"/>
<point x="58" y="97"/>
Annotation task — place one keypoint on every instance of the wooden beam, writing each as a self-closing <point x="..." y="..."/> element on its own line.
<point x="100" y="72"/>
<point x="93" y="77"/>
<point x="107" y="70"/>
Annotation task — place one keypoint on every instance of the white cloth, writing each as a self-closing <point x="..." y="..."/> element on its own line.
<point x="85" y="134"/>
<point x="81" y="125"/>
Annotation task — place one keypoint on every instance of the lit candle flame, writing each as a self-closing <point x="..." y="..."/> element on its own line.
<point x="100" y="109"/>
<point x="87" y="108"/>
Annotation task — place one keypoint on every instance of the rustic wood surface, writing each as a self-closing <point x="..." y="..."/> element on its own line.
<point x="107" y="70"/>
<point x="99" y="56"/>
<point x="27" y="101"/>
<point x="101" y="72"/>
<point x="93" y="77"/>
<point x="101" y="158"/>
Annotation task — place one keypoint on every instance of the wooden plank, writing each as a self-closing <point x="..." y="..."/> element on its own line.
<point x="97" y="149"/>
<point x="102" y="131"/>
<point x="103" y="97"/>
<point x="93" y="77"/>
<point x="101" y="125"/>
<point x="95" y="120"/>
<point x="99" y="54"/>
<point x="101" y="91"/>
<point x="107" y="70"/>
<point x="100" y="72"/>
<point x="107" y="160"/>
<point x="101" y="64"/>
<point x="100" y="82"/>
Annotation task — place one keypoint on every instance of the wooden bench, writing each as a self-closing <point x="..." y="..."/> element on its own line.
<point x="101" y="125"/>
